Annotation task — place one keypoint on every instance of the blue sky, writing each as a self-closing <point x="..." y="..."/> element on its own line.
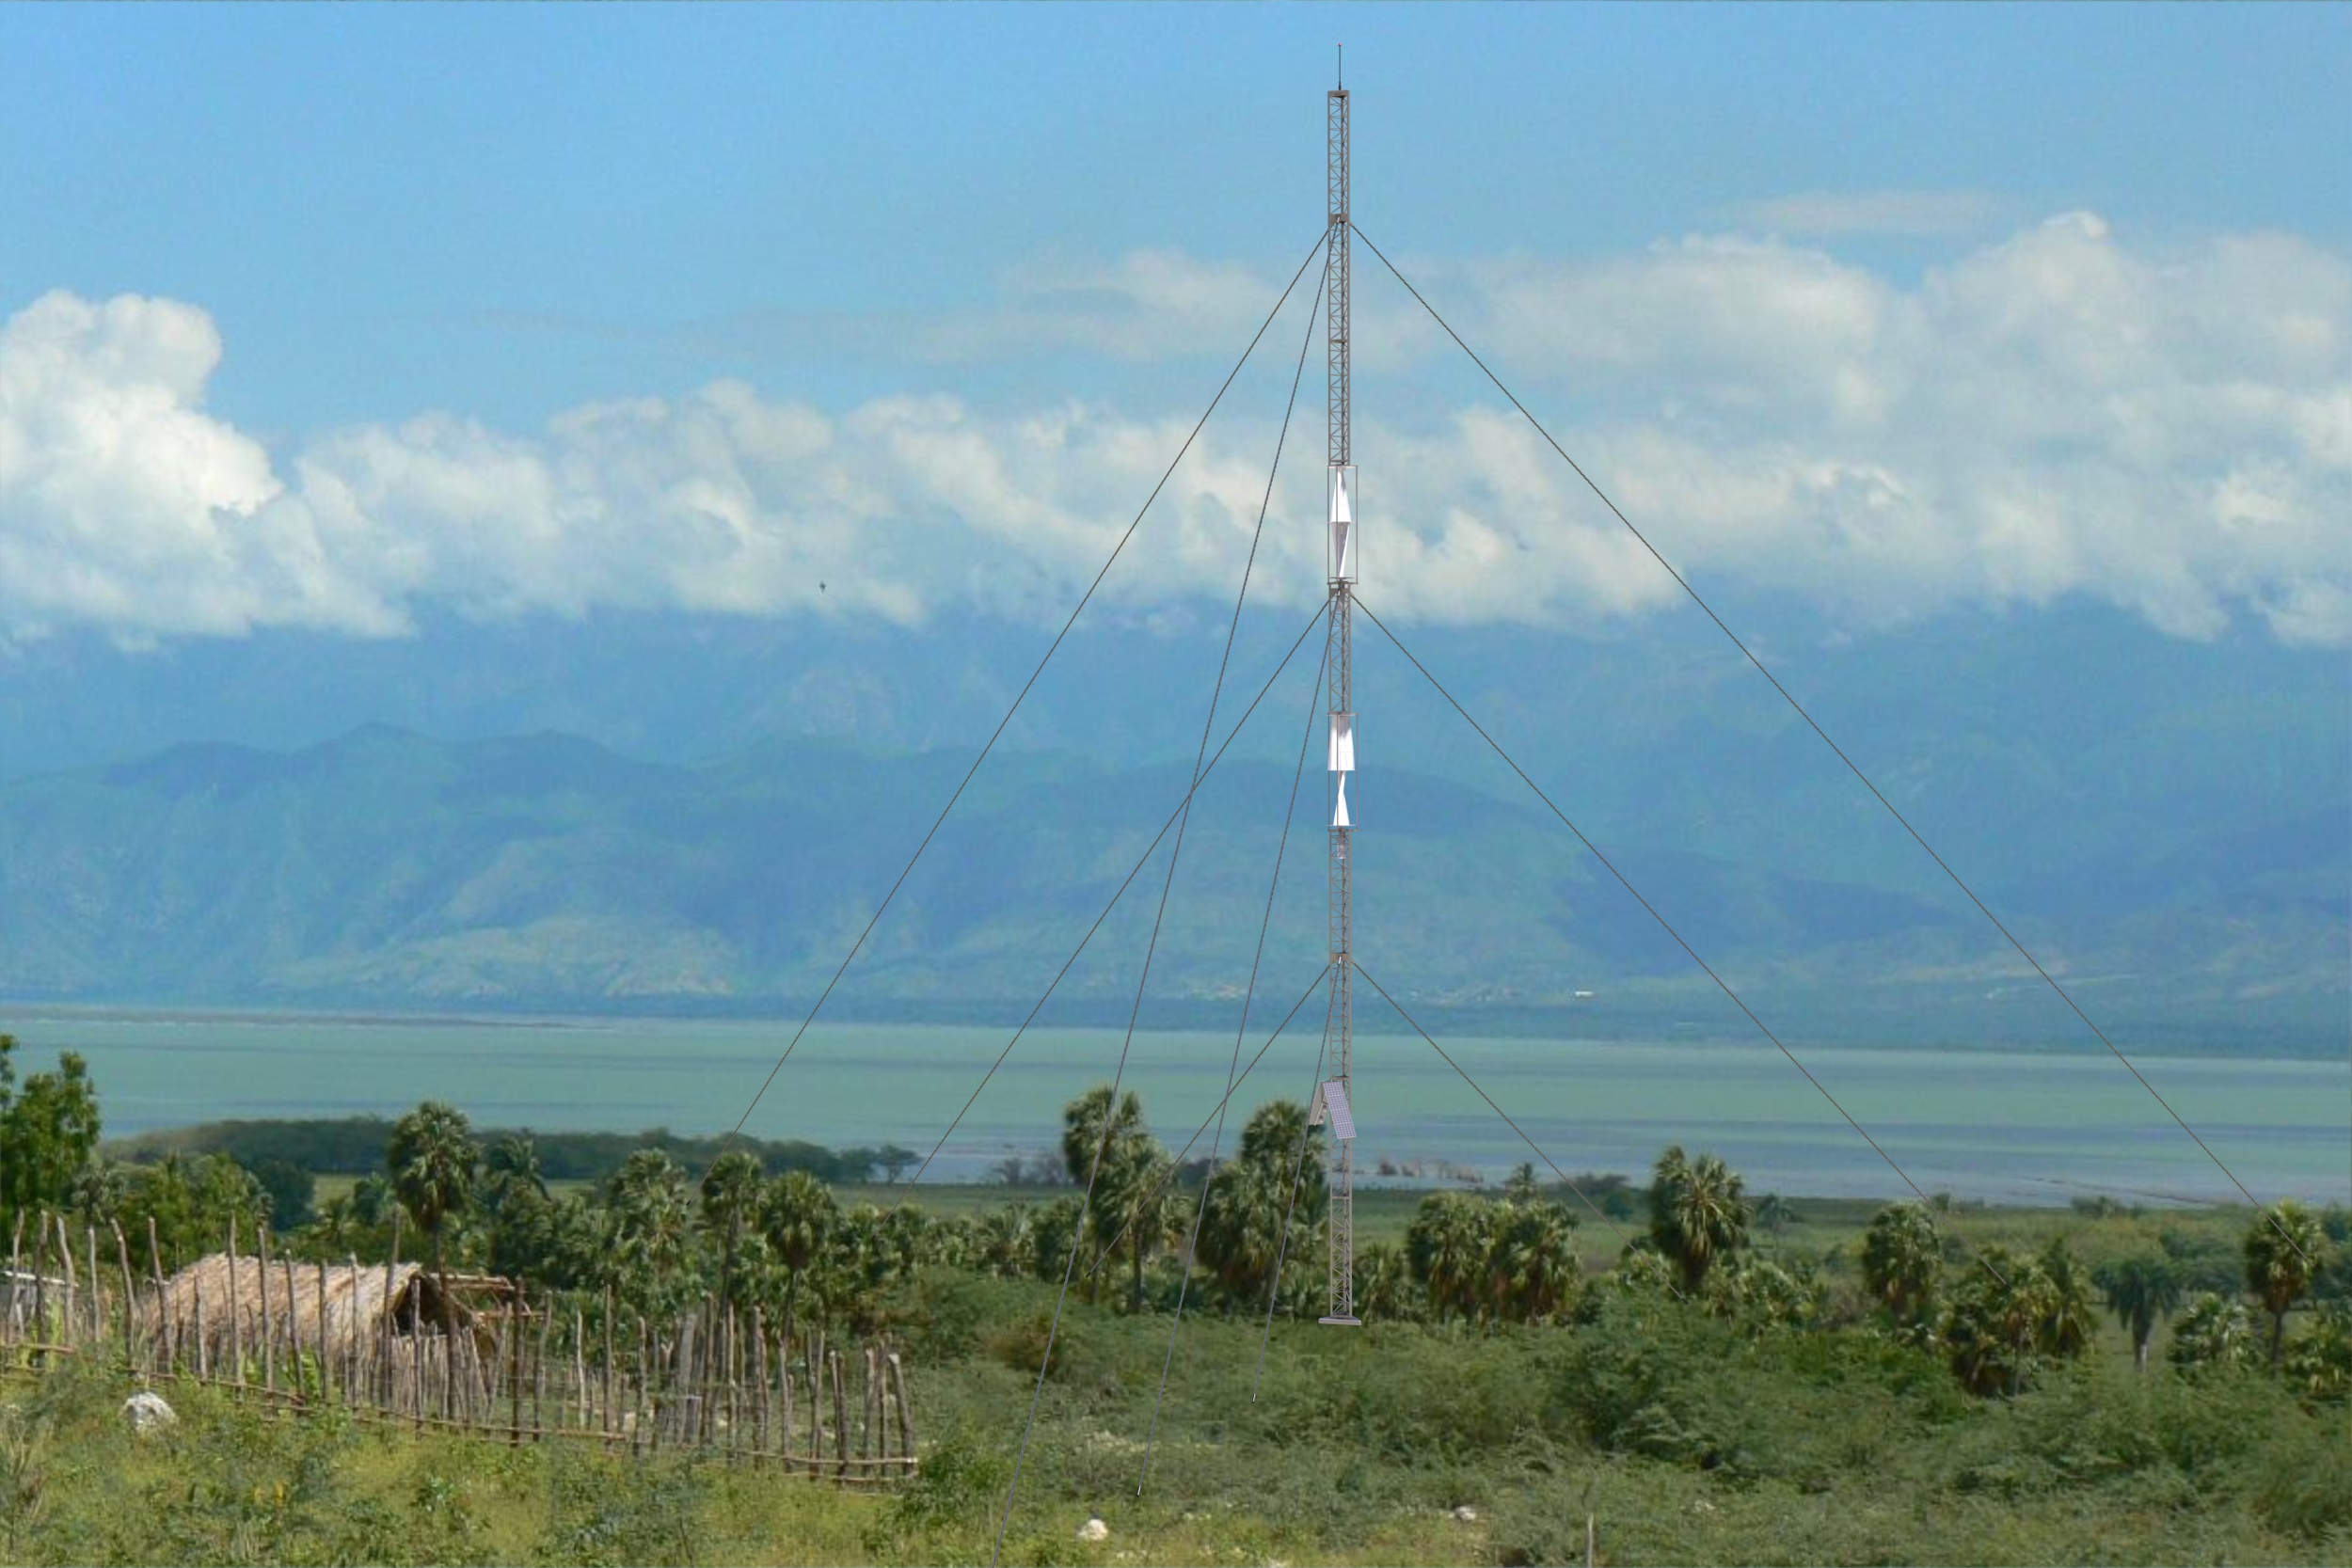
<point x="390" y="209"/>
<point x="326" y="316"/>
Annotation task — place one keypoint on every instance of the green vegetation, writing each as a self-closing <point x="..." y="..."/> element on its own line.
<point x="354" y="1146"/>
<point x="1709" y="1375"/>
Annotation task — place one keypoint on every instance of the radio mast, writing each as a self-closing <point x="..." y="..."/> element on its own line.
<point x="1332" y="1101"/>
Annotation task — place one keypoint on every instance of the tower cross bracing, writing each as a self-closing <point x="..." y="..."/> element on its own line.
<point x="1340" y="626"/>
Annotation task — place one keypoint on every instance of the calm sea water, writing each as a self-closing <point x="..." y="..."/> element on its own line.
<point x="2036" y="1128"/>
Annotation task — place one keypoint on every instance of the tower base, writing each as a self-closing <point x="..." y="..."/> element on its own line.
<point x="1343" y="1322"/>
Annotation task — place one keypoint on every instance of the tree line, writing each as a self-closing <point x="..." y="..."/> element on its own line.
<point x="655" y="1235"/>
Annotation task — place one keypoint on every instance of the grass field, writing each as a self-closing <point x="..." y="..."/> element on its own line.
<point x="1682" y="1439"/>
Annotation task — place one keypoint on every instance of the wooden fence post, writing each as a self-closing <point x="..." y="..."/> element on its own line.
<point x="269" y="1324"/>
<point x="15" y="1282"/>
<point x="39" y="1326"/>
<point x="815" y="1348"/>
<point x="354" y="1389"/>
<point x="906" y="1416"/>
<point x="865" y="1407"/>
<point x="648" y="1402"/>
<point x="96" y="1313"/>
<point x="783" y="1376"/>
<point x="759" y="1377"/>
<point x="580" y="1361"/>
<point x="840" y="1419"/>
<point x="236" y="1314"/>
<point x="294" y="1331"/>
<point x="203" y="1345"/>
<point x="326" y="1353"/>
<point x="166" y="1321"/>
<point x="130" y="1300"/>
<point x="72" y="1290"/>
<point x="608" y="1419"/>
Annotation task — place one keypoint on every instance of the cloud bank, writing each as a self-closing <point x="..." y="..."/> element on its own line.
<point x="2055" y="414"/>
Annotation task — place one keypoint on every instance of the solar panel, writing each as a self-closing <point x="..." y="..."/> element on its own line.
<point x="1335" y="1098"/>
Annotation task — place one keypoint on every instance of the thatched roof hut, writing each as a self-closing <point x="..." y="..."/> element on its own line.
<point x="360" y="1303"/>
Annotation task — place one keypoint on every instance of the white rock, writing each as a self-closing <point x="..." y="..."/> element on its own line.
<point x="1466" y="1515"/>
<point x="1094" y="1530"/>
<point x="147" y="1412"/>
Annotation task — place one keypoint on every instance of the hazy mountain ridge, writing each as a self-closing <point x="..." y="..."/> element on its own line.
<point x="387" y="868"/>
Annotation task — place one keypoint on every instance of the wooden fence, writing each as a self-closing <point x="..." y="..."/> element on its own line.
<point x="488" y="1360"/>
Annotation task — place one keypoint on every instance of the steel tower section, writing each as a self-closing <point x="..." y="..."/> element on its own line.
<point x="1340" y="543"/>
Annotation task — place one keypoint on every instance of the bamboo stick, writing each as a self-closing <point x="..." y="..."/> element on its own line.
<point x="580" y="1361"/>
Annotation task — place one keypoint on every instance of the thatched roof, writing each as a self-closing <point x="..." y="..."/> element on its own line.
<point x="403" y="1296"/>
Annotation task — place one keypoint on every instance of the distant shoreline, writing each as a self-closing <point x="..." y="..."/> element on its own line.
<point x="1483" y="1021"/>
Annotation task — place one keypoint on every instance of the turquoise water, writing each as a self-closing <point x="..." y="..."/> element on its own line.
<point x="1979" y="1123"/>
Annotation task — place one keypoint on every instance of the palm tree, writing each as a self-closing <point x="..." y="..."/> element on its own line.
<point x="1535" y="1246"/>
<point x="1521" y="1186"/>
<point x="1901" y="1261"/>
<point x="2320" y="1365"/>
<point x="1995" y="1322"/>
<point x="2213" y="1332"/>
<point x="1089" y="1132"/>
<point x="1774" y="1215"/>
<point x="1640" y="1271"/>
<point x="730" y="1205"/>
<point x="513" y="1164"/>
<point x="2282" y="1252"/>
<point x="1241" y="1229"/>
<point x="1008" y="1242"/>
<point x="796" y="1215"/>
<point x="2068" y="1322"/>
<point x="433" y="1161"/>
<point x="2143" y="1292"/>
<point x="1446" y="1248"/>
<point x="1271" y="1137"/>
<point x="1700" y="1212"/>
<point x="650" y="1233"/>
<point x="1116" y="1154"/>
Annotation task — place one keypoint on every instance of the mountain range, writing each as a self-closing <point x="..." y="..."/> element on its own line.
<point x="2167" y="829"/>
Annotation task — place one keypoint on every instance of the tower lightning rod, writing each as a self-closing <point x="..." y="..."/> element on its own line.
<point x="1333" y="1100"/>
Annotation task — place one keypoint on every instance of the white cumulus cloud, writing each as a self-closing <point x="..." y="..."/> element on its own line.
<point x="2057" y="413"/>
